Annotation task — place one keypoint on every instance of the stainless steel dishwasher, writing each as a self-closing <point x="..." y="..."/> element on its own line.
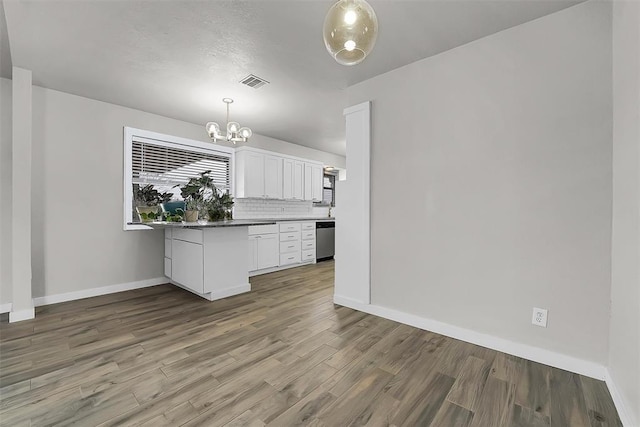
<point x="325" y="240"/>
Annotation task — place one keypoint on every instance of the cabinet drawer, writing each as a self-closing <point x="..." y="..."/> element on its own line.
<point x="167" y="248"/>
<point x="309" y="255"/>
<point x="288" y="237"/>
<point x="188" y="235"/>
<point x="309" y="226"/>
<point x="286" y="247"/>
<point x="292" y="258"/>
<point x="263" y="229"/>
<point x="167" y="233"/>
<point x="285" y="227"/>
<point x="308" y="244"/>
<point x="309" y="235"/>
<point x="167" y="267"/>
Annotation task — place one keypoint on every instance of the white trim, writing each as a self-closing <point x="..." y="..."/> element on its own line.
<point x="536" y="354"/>
<point x="626" y="416"/>
<point x="19" y="316"/>
<point x="130" y="134"/>
<point x="230" y="291"/>
<point x="279" y="268"/>
<point x="358" y="107"/>
<point x="5" y="308"/>
<point x="94" y="292"/>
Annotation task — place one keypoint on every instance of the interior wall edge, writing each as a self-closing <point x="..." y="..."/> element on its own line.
<point x="626" y="416"/>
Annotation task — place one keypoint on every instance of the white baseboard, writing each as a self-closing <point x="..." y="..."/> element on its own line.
<point x="547" y="357"/>
<point x="20" y="315"/>
<point x="279" y="268"/>
<point x="627" y="417"/>
<point x="94" y="292"/>
<point x="5" y="308"/>
<point x="231" y="291"/>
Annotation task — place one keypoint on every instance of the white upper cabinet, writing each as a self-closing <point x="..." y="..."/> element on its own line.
<point x="254" y="175"/>
<point x="258" y="175"/>
<point x="272" y="177"/>
<point x="262" y="174"/>
<point x="313" y="176"/>
<point x="293" y="179"/>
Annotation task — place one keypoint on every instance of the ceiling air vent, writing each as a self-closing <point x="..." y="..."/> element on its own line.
<point x="254" y="81"/>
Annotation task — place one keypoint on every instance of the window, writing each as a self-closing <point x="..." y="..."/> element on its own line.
<point x="329" y="189"/>
<point x="166" y="162"/>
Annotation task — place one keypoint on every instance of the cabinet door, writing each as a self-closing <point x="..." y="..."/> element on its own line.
<point x="287" y="179"/>
<point x="317" y="176"/>
<point x="253" y="252"/>
<point x="187" y="265"/>
<point x="298" y="180"/>
<point x="272" y="177"/>
<point x="308" y="181"/>
<point x="254" y="170"/>
<point x="268" y="255"/>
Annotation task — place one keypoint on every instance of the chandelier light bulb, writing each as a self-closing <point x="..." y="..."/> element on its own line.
<point x="350" y="31"/>
<point x="212" y="129"/>
<point x="245" y="133"/>
<point x="233" y="127"/>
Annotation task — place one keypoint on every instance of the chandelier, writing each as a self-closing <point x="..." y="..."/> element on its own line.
<point x="234" y="132"/>
<point x="350" y="31"/>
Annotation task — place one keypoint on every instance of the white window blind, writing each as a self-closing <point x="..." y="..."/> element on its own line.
<point x="164" y="167"/>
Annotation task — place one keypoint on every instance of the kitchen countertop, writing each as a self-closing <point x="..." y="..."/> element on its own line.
<point x="210" y="224"/>
<point x="319" y="218"/>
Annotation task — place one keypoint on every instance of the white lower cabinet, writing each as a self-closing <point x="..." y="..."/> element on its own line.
<point x="188" y="265"/>
<point x="267" y="251"/>
<point x="308" y="255"/>
<point x="210" y="261"/>
<point x="263" y="247"/>
<point x="290" y="258"/>
<point x="287" y="244"/>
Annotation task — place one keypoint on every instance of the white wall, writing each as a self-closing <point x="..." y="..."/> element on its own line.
<point x="491" y="183"/>
<point x="78" y="241"/>
<point x="624" y="351"/>
<point x="5" y="191"/>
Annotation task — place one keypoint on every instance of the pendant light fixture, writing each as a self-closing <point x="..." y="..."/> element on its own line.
<point x="234" y="132"/>
<point x="350" y="31"/>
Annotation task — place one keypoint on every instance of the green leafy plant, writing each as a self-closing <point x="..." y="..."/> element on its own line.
<point x="176" y="217"/>
<point x="195" y="191"/>
<point x="201" y="194"/>
<point x="147" y="195"/>
<point x="147" y="199"/>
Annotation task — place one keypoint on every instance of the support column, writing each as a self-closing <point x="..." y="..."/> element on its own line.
<point x="22" y="307"/>
<point x="353" y="232"/>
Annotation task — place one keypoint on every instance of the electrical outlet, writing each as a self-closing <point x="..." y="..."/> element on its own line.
<point x="539" y="317"/>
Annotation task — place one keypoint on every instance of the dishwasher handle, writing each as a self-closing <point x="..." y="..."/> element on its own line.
<point x="325" y="224"/>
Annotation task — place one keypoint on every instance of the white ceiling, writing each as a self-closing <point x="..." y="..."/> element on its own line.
<point x="180" y="58"/>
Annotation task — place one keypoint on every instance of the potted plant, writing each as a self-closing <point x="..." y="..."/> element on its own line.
<point x="147" y="199"/>
<point x="196" y="194"/>
<point x="220" y="206"/>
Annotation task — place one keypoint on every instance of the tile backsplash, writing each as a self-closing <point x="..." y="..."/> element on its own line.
<point x="261" y="208"/>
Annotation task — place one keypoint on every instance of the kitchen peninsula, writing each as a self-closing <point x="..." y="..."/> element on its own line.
<point x="208" y="259"/>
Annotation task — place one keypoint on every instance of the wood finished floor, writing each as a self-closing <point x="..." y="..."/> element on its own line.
<point x="282" y="355"/>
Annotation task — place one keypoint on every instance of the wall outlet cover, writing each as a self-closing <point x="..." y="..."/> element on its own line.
<point x="539" y="317"/>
